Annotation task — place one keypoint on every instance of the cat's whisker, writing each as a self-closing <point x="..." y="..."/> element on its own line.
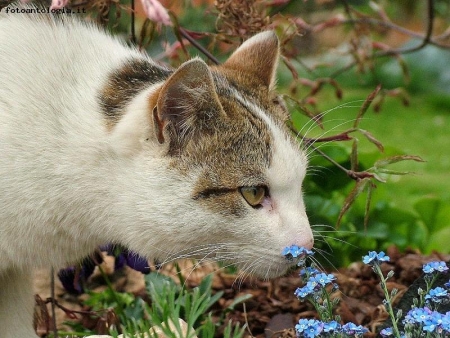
<point x="311" y="123"/>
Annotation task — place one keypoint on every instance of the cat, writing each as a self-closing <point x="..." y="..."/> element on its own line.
<point x="98" y="144"/>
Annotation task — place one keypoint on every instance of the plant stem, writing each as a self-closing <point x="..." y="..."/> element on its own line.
<point x="388" y="303"/>
<point x="111" y="289"/>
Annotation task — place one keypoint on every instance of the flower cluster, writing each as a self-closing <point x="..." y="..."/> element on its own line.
<point x="427" y="320"/>
<point x="314" y="285"/>
<point x="437" y="295"/>
<point x="317" y="289"/>
<point x="310" y="328"/>
<point x="422" y="320"/>
<point x="432" y="267"/>
<point x="295" y="251"/>
<point x="73" y="277"/>
<point x="374" y="258"/>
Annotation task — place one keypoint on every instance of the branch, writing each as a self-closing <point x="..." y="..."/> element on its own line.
<point x="356" y="175"/>
<point x="70" y="313"/>
<point x="132" y="24"/>
<point x="194" y="42"/>
<point x="425" y="40"/>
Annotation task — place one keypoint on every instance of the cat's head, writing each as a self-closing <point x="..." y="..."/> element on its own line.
<point x="230" y="172"/>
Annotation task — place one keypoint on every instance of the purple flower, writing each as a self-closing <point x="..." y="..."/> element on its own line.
<point x="73" y="277"/>
<point x="375" y="258"/>
<point x="126" y="257"/>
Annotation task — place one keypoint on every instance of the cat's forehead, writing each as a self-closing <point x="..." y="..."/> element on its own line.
<point x="250" y="139"/>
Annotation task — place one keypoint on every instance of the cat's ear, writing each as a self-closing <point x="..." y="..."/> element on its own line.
<point x="258" y="56"/>
<point x="186" y="104"/>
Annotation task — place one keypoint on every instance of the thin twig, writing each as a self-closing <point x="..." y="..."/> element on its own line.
<point x="356" y="175"/>
<point x="52" y="294"/>
<point x="194" y="42"/>
<point x="344" y="136"/>
<point x="425" y="41"/>
<point x="132" y="23"/>
<point x="68" y="311"/>
<point x="347" y="8"/>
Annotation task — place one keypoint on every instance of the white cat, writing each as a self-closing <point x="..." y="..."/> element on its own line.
<point x="99" y="144"/>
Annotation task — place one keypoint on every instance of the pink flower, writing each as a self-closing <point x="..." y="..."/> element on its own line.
<point x="58" y="4"/>
<point x="156" y="12"/>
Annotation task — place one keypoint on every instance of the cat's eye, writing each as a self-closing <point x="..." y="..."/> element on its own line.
<point x="253" y="195"/>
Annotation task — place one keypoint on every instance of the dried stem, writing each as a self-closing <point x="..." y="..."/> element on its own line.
<point x="132" y="23"/>
<point x="70" y="313"/>
<point x="53" y="305"/>
<point x="194" y="42"/>
<point x="356" y="175"/>
<point x="425" y="40"/>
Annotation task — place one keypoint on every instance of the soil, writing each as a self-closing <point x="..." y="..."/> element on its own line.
<point x="272" y="311"/>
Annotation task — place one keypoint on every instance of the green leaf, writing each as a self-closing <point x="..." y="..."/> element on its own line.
<point x="428" y="208"/>
<point x="159" y="282"/>
<point x="238" y="300"/>
<point x="439" y="241"/>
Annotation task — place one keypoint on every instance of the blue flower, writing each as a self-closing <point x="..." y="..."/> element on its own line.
<point x="375" y="258"/>
<point x="353" y="329"/>
<point x="417" y="315"/>
<point x="303" y="292"/>
<point x="323" y="279"/>
<point x="308" y="271"/>
<point x="435" y="266"/>
<point x="295" y="251"/>
<point x="437" y="295"/>
<point x="332" y="326"/>
<point x="446" y="322"/>
<point x="309" y="328"/>
<point x="386" y="332"/>
<point x="433" y="322"/>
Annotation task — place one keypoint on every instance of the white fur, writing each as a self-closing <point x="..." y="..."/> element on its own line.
<point x="68" y="184"/>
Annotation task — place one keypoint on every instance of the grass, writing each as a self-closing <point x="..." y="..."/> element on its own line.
<point x="422" y="128"/>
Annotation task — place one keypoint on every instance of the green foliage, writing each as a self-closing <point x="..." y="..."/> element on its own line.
<point x="169" y="303"/>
